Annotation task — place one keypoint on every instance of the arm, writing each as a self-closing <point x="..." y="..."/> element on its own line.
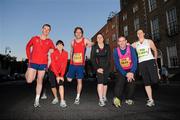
<point x="108" y="65"/>
<point x="53" y="65"/>
<point x="28" y="49"/>
<point x="133" y="45"/>
<point x="117" y="65"/>
<point x="154" y="49"/>
<point x="93" y="58"/>
<point x="134" y="60"/>
<point x="88" y="43"/>
<point x="63" y="69"/>
<point x="71" y="51"/>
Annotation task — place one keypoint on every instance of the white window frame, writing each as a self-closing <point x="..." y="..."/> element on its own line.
<point x="124" y="16"/>
<point x="170" y="65"/>
<point x="151" y="4"/>
<point x="136" y="24"/>
<point x="168" y="22"/>
<point x="155" y="32"/>
<point x="135" y="8"/>
<point x="125" y="29"/>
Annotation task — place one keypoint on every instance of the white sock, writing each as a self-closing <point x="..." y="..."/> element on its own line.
<point x="62" y="101"/>
<point x="37" y="97"/>
<point x="151" y="99"/>
<point x="78" y="96"/>
<point x="101" y="99"/>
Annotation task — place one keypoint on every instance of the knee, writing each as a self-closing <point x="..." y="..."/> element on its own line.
<point x="69" y="79"/>
<point x="39" y="81"/>
<point x="29" y="81"/>
<point x="61" y="83"/>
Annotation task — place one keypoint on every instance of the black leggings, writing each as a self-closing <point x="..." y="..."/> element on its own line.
<point x="53" y="81"/>
<point x="121" y="83"/>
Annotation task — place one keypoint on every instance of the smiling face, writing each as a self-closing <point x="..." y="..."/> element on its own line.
<point x="122" y="42"/>
<point x="78" y="34"/>
<point x="100" y="38"/>
<point x="46" y="30"/>
<point x="60" y="47"/>
<point x="140" y="35"/>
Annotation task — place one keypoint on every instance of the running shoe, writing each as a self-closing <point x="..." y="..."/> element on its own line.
<point x="150" y="103"/>
<point x="43" y="96"/>
<point x="129" y="102"/>
<point x="101" y="103"/>
<point x="117" y="102"/>
<point x="36" y="104"/>
<point x="55" y="101"/>
<point x="63" y="104"/>
<point x="77" y="101"/>
<point x="105" y="99"/>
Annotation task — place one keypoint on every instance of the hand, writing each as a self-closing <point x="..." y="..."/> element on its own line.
<point x="51" y="50"/>
<point x="58" y="79"/>
<point x="100" y="70"/>
<point x="62" y="78"/>
<point x="130" y="76"/>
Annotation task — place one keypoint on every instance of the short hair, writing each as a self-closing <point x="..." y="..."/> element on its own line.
<point x="60" y="42"/>
<point x="47" y="26"/>
<point x="122" y="36"/>
<point x="78" y="28"/>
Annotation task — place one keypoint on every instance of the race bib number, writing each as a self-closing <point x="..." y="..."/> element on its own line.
<point x="126" y="62"/>
<point x="142" y="52"/>
<point x="77" y="58"/>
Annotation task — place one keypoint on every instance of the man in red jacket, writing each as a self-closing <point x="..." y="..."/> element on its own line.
<point x="56" y="72"/>
<point x="37" y="53"/>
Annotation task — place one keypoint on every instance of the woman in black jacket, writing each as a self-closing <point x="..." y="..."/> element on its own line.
<point x="101" y="62"/>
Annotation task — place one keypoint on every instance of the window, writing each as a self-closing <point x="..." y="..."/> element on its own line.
<point x="113" y="26"/>
<point x="107" y="41"/>
<point x="172" y="56"/>
<point x="114" y="37"/>
<point x="124" y="16"/>
<point x="136" y="24"/>
<point x="155" y="29"/>
<point x="172" y="21"/>
<point x="107" y="30"/>
<point x="152" y="5"/>
<point x="126" y="31"/>
<point x="135" y="8"/>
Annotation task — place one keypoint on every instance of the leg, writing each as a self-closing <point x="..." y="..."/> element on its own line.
<point x="54" y="91"/>
<point x="100" y="85"/>
<point x="79" y="86"/>
<point x="149" y="92"/>
<point x="119" y="86"/>
<point x="30" y="75"/>
<point x="39" y="82"/>
<point x="130" y="90"/>
<point x="71" y="73"/>
<point x="100" y="90"/>
<point x="61" y="92"/>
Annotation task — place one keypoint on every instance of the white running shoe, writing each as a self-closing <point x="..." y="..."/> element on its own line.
<point x="55" y="101"/>
<point x="63" y="104"/>
<point x="43" y="96"/>
<point x="36" y="103"/>
<point x="105" y="99"/>
<point x="77" y="101"/>
<point x="102" y="103"/>
<point x="150" y="103"/>
<point x="129" y="102"/>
